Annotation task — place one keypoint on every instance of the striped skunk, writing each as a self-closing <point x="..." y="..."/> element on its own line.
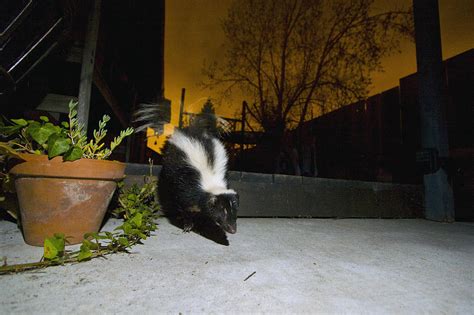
<point x="192" y="181"/>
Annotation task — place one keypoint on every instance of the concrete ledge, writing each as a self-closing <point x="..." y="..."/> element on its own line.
<point x="328" y="198"/>
<point x="267" y="195"/>
<point x="135" y="179"/>
<point x="232" y="175"/>
<point x="256" y="178"/>
<point x="141" y="169"/>
<point x="287" y="179"/>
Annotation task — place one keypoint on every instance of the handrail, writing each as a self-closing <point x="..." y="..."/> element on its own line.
<point x="16" y="21"/>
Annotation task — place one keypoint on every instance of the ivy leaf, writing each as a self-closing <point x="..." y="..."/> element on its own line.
<point x="85" y="252"/>
<point x="50" y="251"/>
<point x="123" y="241"/>
<point x="75" y="153"/>
<point x="138" y="233"/>
<point x="54" y="246"/>
<point x="57" y="145"/>
<point x="41" y="133"/>
<point x="90" y="244"/>
<point x="60" y="241"/>
<point x="126" y="227"/>
<point x="20" y="122"/>
<point x="137" y="219"/>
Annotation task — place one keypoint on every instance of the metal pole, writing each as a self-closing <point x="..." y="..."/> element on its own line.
<point x="181" y="108"/>
<point x="242" y="133"/>
<point x="439" y="203"/>
<point x="88" y="60"/>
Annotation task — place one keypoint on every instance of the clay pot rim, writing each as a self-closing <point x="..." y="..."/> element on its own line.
<point x="34" y="165"/>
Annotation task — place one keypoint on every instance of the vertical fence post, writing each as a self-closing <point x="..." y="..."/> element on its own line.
<point x="439" y="203"/>
<point x="181" y="108"/>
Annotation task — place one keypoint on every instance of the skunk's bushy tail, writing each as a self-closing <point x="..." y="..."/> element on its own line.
<point x="155" y="116"/>
<point x="150" y="116"/>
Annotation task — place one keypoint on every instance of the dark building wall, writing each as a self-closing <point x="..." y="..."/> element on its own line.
<point x="128" y="69"/>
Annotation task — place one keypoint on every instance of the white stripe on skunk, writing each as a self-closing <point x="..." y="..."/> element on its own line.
<point x="212" y="177"/>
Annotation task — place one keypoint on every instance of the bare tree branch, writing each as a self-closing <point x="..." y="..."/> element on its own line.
<point x="293" y="55"/>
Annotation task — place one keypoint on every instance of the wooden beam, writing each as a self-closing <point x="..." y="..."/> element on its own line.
<point x="88" y="60"/>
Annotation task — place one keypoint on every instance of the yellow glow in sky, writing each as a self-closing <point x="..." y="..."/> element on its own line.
<point x="193" y="35"/>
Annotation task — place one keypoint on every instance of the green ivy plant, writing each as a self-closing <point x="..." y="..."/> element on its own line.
<point x="138" y="208"/>
<point x="68" y="140"/>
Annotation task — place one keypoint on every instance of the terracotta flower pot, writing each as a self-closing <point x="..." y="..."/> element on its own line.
<point x="63" y="197"/>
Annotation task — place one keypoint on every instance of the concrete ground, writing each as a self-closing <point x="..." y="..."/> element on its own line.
<point x="300" y="266"/>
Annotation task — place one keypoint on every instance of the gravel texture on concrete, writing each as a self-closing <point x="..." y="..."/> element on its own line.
<point x="368" y="266"/>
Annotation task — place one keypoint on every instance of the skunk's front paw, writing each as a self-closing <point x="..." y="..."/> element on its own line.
<point x="188" y="226"/>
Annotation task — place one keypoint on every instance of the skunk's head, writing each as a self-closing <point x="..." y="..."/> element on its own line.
<point x="223" y="210"/>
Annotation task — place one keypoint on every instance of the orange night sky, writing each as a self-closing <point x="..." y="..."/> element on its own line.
<point x="193" y="35"/>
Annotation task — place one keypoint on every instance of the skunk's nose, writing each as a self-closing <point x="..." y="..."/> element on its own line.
<point x="231" y="229"/>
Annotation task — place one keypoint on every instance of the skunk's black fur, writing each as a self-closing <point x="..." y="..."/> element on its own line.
<point x="192" y="183"/>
